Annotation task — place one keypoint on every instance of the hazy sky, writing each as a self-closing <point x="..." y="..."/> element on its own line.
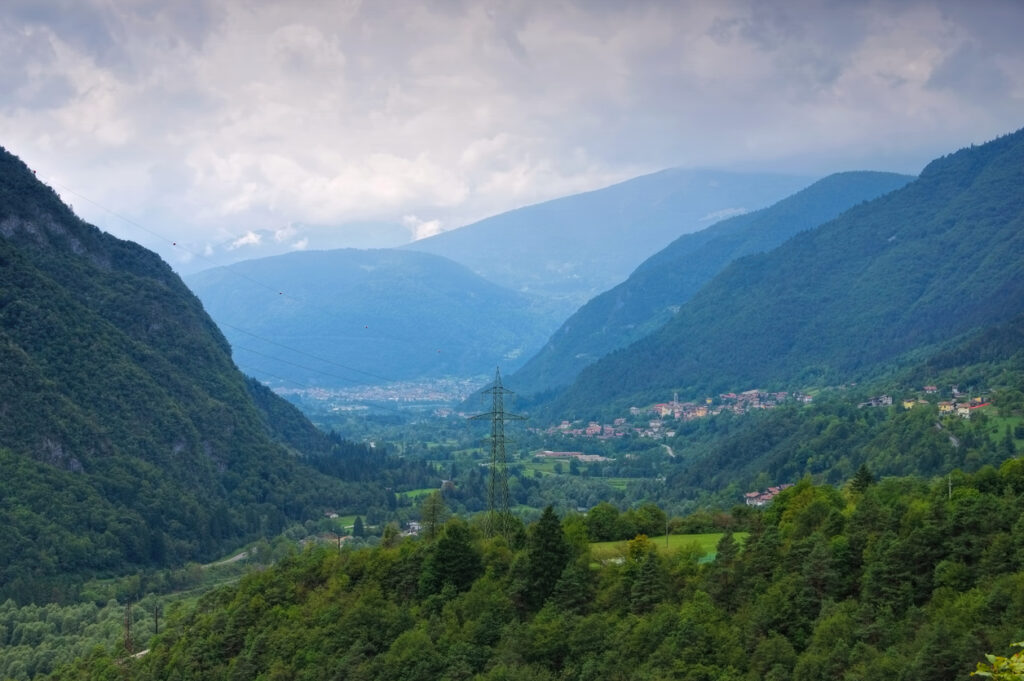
<point x="237" y="125"/>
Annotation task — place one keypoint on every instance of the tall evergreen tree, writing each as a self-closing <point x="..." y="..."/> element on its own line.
<point x="547" y="553"/>
<point x="453" y="560"/>
<point x="863" y="479"/>
<point x="433" y="513"/>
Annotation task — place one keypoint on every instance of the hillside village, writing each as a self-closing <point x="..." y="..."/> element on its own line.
<point x="960" y="403"/>
<point x="655" y="421"/>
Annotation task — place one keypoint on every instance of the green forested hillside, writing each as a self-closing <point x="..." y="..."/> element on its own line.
<point x="127" y="437"/>
<point x="905" y="273"/>
<point x="368" y="316"/>
<point x="904" y="579"/>
<point x="666" y="280"/>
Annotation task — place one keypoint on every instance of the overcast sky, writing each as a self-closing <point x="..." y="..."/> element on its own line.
<point x="229" y="125"/>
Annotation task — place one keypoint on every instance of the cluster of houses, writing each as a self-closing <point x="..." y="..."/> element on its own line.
<point x="738" y="403"/>
<point x="654" y="421"/>
<point x="592" y="429"/>
<point x="762" y="498"/>
<point x="962" y="409"/>
<point x="962" y="404"/>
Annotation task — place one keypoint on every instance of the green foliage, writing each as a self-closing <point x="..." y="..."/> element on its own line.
<point x="1003" y="668"/>
<point x="547" y="553"/>
<point x="827" y="585"/>
<point x="862" y="480"/>
<point x="433" y="513"/>
<point x="453" y="561"/>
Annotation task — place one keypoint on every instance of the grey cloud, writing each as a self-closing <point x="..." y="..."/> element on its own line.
<point x="50" y="93"/>
<point x="192" y="21"/>
<point x="93" y="29"/>
<point x="87" y="26"/>
<point x="18" y="50"/>
<point x="245" y="116"/>
<point x="996" y="24"/>
<point x="970" y="70"/>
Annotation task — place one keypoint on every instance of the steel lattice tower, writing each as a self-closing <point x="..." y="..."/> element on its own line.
<point x="498" y="513"/>
<point x="129" y="640"/>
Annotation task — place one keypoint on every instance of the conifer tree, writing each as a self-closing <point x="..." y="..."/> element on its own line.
<point x="547" y="553"/>
<point x="863" y="479"/>
<point x="453" y="560"/>
<point x="433" y="513"/>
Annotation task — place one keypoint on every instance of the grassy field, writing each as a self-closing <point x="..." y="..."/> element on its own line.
<point x="997" y="423"/>
<point x="705" y="543"/>
<point x="346" y="522"/>
<point x="547" y="467"/>
<point x="417" y="493"/>
<point x="619" y="483"/>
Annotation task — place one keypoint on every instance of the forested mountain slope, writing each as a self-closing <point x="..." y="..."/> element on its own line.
<point x="666" y="280"/>
<point x="908" y="271"/>
<point x="573" y="248"/>
<point x="384" y="314"/>
<point x="127" y="436"/>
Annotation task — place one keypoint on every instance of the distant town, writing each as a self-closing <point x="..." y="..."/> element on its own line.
<point x="424" y="393"/>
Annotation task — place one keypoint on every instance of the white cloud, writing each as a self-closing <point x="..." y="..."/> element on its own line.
<point x="285" y="233"/>
<point x="301" y="244"/>
<point x="421" y="229"/>
<point x="723" y="214"/>
<point x="247" y="239"/>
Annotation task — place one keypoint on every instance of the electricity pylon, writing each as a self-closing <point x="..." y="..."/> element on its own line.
<point x="498" y="513"/>
<point x="129" y="640"/>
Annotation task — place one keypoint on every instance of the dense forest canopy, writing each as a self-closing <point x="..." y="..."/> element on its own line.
<point x="902" y="578"/>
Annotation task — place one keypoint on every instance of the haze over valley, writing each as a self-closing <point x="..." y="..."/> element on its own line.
<point x="527" y="341"/>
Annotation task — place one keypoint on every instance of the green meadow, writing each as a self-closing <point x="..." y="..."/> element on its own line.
<point x="705" y="543"/>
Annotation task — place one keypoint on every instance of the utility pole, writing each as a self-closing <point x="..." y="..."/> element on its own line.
<point x="498" y="513"/>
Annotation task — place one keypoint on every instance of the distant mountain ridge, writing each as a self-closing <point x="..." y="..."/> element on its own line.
<point x="666" y="280"/>
<point x="909" y="271"/>
<point x="343" y="317"/>
<point x="575" y="247"/>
